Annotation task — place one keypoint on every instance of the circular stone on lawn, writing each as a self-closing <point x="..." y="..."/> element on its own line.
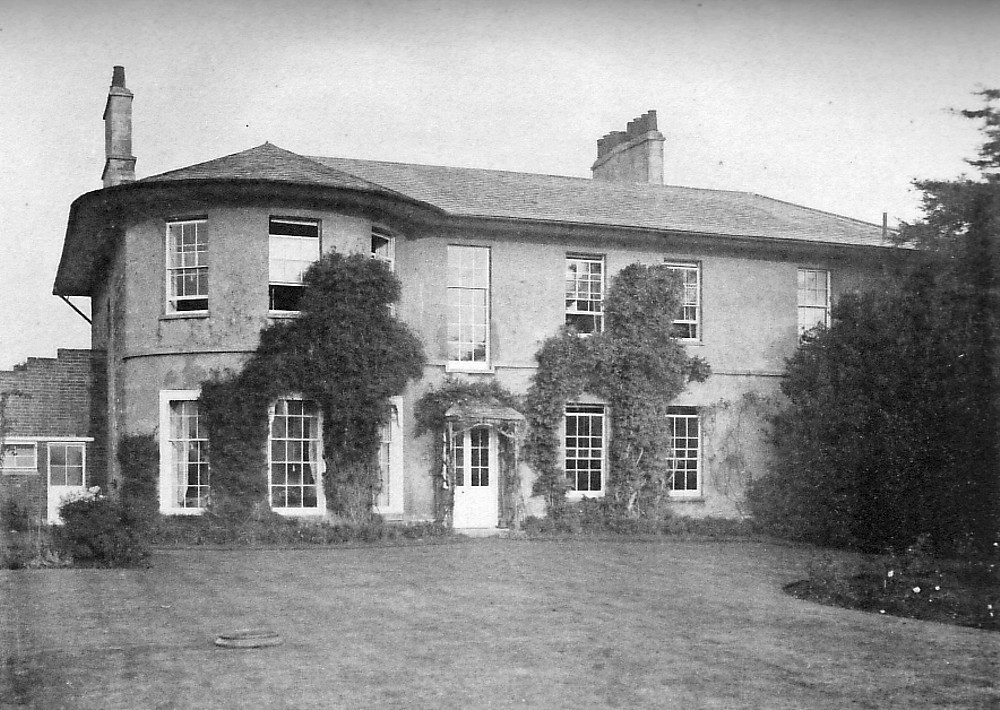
<point x="248" y="638"/>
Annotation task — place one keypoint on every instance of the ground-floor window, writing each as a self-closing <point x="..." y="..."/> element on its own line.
<point x="17" y="457"/>
<point x="294" y="480"/>
<point x="389" y="501"/>
<point x="585" y="445"/>
<point x="184" y="465"/>
<point x="685" y="451"/>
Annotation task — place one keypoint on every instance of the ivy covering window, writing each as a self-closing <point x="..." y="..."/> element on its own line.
<point x="468" y="306"/>
<point x="293" y="245"/>
<point x="19" y="458"/>
<point x="187" y="266"/>
<point x="585" y="293"/>
<point x="814" y="299"/>
<point x="685" y="451"/>
<point x="688" y="325"/>
<point x="294" y="446"/>
<point x="188" y="455"/>
<point x="66" y="464"/>
<point x="585" y="445"/>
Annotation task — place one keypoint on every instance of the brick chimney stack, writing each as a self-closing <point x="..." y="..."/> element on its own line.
<point x="632" y="155"/>
<point x="119" y="163"/>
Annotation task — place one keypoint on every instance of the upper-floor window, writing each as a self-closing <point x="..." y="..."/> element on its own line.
<point x="468" y="307"/>
<point x="187" y="266"/>
<point x="294" y="454"/>
<point x="685" y="451"/>
<point x="814" y="299"/>
<point x="584" y="448"/>
<point x="585" y="293"/>
<point x="384" y="247"/>
<point x="293" y="245"/>
<point x="688" y="325"/>
<point x="19" y="458"/>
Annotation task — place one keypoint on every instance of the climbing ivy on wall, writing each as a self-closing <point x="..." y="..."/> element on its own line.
<point x="638" y="368"/>
<point x="349" y="354"/>
<point x="738" y="434"/>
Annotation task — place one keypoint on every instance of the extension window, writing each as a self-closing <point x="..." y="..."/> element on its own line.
<point x="19" y="457"/>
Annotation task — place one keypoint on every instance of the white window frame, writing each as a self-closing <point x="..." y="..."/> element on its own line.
<point x="389" y="501"/>
<point x="810" y="307"/>
<point x="317" y="452"/>
<point x="587" y="409"/>
<point x="168" y="483"/>
<point x="274" y="237"/>
<point x="177" y="267"/>
<point x="388" y="254"/>
<point x="7" y="467"/>
<point x="574" y="281"/>
<point x="691" y="299"/>
<point x="83" y="461"/>
<point x="458" y="288"/>
<point x="676" y="415"/>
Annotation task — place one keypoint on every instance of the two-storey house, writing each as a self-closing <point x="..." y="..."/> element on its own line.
<point x="185" y="267"/>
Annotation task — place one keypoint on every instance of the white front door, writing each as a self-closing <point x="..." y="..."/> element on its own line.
<point x="67" y="474"/>
<point x="475" y="480"/>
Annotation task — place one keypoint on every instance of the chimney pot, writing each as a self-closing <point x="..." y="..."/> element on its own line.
<point x="632" y="155"/>
<point x="118" y="77"/>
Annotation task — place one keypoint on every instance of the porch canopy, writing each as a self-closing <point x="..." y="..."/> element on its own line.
<point x="466" y="415"/>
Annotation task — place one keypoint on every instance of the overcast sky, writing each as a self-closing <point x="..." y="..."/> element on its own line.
<point x="835" y="105"/>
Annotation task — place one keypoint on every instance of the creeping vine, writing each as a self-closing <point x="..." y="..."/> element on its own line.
<point x="348" y="353"/>
<point x="637" y="367"/>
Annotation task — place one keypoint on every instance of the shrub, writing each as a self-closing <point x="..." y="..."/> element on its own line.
<point x="102" y="531"/>
<point x="14" y="516"/>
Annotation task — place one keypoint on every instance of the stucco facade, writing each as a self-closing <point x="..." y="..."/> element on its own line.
<point x="744" y="256"/>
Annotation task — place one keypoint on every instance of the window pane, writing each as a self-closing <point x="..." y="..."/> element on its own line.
<point x="686" y="325"/>
<point x="189" y="451"/>
<point x="584" y="447"/>
<point x="294" y="451"/>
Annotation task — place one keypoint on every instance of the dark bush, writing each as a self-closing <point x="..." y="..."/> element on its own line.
<point x="103" y="532"/>
<point x="14" y="516"/>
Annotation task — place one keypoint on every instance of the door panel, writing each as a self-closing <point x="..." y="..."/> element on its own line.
<point x="67" y="474"/>
<point x="475" y="480"/>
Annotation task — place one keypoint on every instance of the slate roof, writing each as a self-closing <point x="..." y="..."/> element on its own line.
<point x="497" y="194"/>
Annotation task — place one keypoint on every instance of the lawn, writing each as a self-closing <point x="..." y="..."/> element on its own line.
<point x="474" y="624"/>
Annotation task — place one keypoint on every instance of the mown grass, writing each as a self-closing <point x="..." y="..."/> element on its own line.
<point x="474" y="624"/>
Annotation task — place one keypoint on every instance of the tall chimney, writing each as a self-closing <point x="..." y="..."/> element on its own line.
<point x="119" y="163"/>
<point x="632" y="155"/>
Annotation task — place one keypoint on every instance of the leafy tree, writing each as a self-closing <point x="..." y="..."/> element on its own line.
<point x="892" y="427"/>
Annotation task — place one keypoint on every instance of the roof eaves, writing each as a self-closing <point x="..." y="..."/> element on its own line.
<point x="673" y="230"/>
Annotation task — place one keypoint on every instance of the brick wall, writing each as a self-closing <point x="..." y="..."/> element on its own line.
<point x="51" y="395"/>
<point x="48" y="399"/>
